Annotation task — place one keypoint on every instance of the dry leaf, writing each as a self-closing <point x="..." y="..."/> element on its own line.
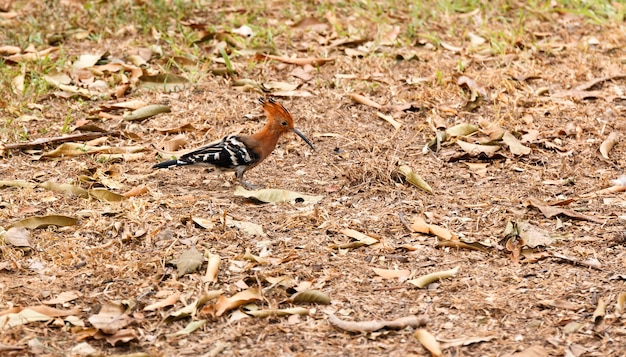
<point x="164" y="82"/>
<point x="22" y="317"/>
<point x="212" y="268"/>
<point x="147" y="112"/>
<point x="600" y="311"/>
<point x="175" y="143"/>
<point x="224" y="304"/>
<point x="414" y="179"/>
<point x="389" y="119"/>
<point x="363" y="100"/>
<point x="310" y="296"/>
<point x="191" y="327"/>
<point x="277" y="196"/>
<point x="17" y="236"/>
<point x="375" y="325"/>
<point x="168" y="301"/>
<point x="313" y="61"/>
<point x="474" y="149"/>
<point x="515" y="146"/>
<point x="279" y="312"/>
<point x="533" y="351"/>
<point x="429" y="342"/>
<point x="360" y="237"/>
<point x="63" y="297"/>
<point x="45" y="221"/>
<point x="463" y="129"/>
<point x="550" y="211"/>
<point x="608" y="144"/>
<point x="111" y="318"/>
<point x="250" y="228"/>
<point x="189" y="261"/>
<point x="425" y="280"/>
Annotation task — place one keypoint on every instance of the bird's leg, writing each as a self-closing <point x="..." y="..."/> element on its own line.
<point x="239" y="176"/>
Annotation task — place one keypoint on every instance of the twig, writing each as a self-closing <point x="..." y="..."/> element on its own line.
<point x="58" y="139"/>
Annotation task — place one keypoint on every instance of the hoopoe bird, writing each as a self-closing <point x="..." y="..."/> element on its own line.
<point x="243" y="152"/>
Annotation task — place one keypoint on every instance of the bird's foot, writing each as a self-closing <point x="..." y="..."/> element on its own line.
<point x="249" y="186"/>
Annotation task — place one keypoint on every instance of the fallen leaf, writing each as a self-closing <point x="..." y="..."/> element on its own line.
<point x="17" y="237"/>
<point x="63" y="297"/>
<point x="45" y="221"/>
<point x="147" y="112"/>
<point x="136" y="191"/>
<point x="310" y="296"/>
<point x="363" y="100"/>
<point x="168" y="301"/>
<point x="164" y="82"/>
<point x="472" y="85"/>
<point x="250" y="228"/>
<point x="212" y="268"/>
<point x="191" y="309"/>
<point x="191" y="327"/>
<point x="22" y="317"/>
<point x="464" y="341"/>
<point x="550" y="211"/>
<point x="463" y="129"/>
<point x="474" y="149"/>
<point x="429" y="342"/>
<point x="313" y="61"/>
<point x="175" y="143"/>
<point x="600" y="311"/>
<point x="111" y="318"/>
<point x="428" y="279"/>
<point x="123" y="335"/>
<point x="533" y="351"/>
<point x="189" y="261"/>
<point x="85" y="61"/>
<point x="375" y="325"/>
<point x="277" y="196"/>
<point x="414" y="179"/>
<point x="515" y="146"/>
<point x="224" y="304"/>
<point x="389" y="119"/>
<point x="608" y="144"/>
<point x="277" y="312"/>
<point x="360" y="237"/>
<point x="106" y="195"/>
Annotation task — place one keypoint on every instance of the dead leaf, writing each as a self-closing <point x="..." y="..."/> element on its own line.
<point x="167" y="83"/>
<point x="224" y="304"/>
<point x="63" y="297"/>
<point x="310" y="296"/>
<point x="191" y="309"/>
<point x="191" y="327"/>
<point x="212" y="268"/>
<point x="175" y="143"/>
<point x="168" y="301"/>
<point x="515" y="146"/>
<point x="375" y="325"/>
<point x="22" y="317"/>
<point x="428" y="279"/>
<point x="136" y="191"/>
<point x="17" y="237"/>
<point x="189" y="261"/>
<point x="472" y="85"/>
<point x="277" y="312"/>
<point x="550" y="211"/>
<point x="474" y="149"/>
<point x="389" y="119"/>
<point x="313" y="61"/>
<point x="429" y="342"/>
<point x="608" y="144"/>
<point x="111" y="318"/>
<point x="464" y="341"/>
<point x="414" y="179"/>
<point x="123" y="335"/>
<point x="147" y="112"/>
<point x="45" y="221"/>
<point x="463" y="129"/>
<point x="600" y="311"/>
<point x="277" y="196"/>
<point x="250" y="228"/>
<point x="365" y="101"/>
<point x="106" y="195"/>
<point x="533" y="351"/>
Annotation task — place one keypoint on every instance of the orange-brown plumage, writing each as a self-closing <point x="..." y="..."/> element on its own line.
<point x="243" y="152"/>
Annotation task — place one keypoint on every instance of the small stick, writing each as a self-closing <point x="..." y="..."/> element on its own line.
<point x="57" y="139"/>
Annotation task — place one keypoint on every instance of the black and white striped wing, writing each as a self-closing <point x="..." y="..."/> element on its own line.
<point x="230" y="153"/>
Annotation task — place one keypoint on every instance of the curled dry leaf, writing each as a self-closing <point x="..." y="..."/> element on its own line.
<point x="22" y="317"/>
<point x="63" y="297"/>
<point x="389" y="119"/>
<point x="472" y="85"/>
<point x="414" y="179"/>
<point x="463" y="129"/>
<point x="277" y="312"/>
<point x="310" y="296"/>
<point x="600" y="311"/>
<point x="515" y="146"/>
<point x="365" y="101"/>
<point x="175" y="143"/>
<point x="608" y="144"/>
<point x="191" y="327"/>
<point x="277" y="196"/>
<point x="164" y="82"/>
<point x="550" y="211"/>
<point x="250" y="228"/>
<point x="420" y="226"/>
<point x="360" y="237"/>
<point x="45" y="221"/>
<point x="224" y="304"/>
<point x="168" y="301"/>
<point x="425" y="280"/>
<point x="106" y="195"/>
<point x="147" y="112"/>
<point x="429" y="342"/>
<point x="136" y="191"/>
<point x="192" y="308"/>
<point x="375" y="325"/>
<point x="212" y="268"/>
<point x="313" y="61"/>
<point x="620" y="305"/>
<point x="474" y="149"/>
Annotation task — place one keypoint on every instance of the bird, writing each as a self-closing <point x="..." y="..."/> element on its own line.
<point x="243" y="152"/>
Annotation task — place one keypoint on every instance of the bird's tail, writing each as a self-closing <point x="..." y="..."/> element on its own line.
<point x="168" y="163"/>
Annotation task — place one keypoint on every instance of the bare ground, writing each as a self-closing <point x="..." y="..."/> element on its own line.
<point x="123" y="251"/>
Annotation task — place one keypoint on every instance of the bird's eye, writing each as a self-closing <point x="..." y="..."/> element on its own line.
<point x="284" y="123"/>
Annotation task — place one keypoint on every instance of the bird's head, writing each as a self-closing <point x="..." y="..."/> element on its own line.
<point x="280" y="120"/>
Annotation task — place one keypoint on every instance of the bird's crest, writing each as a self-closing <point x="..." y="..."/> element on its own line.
<point x="274" y="109"/>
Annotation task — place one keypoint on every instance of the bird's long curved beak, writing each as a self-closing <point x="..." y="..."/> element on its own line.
<point x="299" y="133"/>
